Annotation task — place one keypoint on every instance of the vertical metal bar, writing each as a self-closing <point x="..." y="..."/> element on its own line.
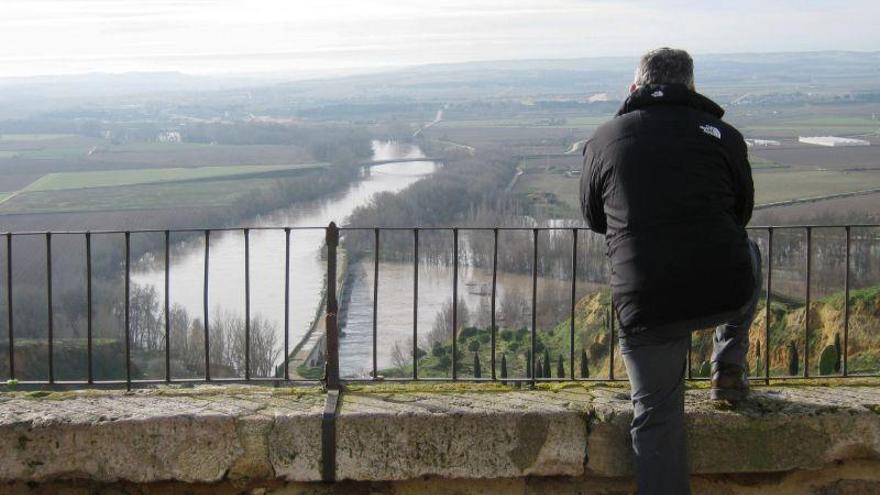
<point x="689" y="372"/>
<point x="287" y="303"/>
<point x="845" y="349"/>
<point x="90" y="370"/>
<point x="611" y="340"/>
<point x="454" y="304"/>
<point x="534" y="332"/>
<point x="168" y="307"/>
<point x="205" y="306"/>
<point x="808" y="303"/>
<point x="415" y="296"/>
<point x="247" y="304"/>
<point x="331" y="364"/>
<point x="494" y="295"/>
<point x="767" y="305"/>
<point x="574" y="264"/>
<point x="376" y="306"/>
<point x="9" y="327"/>
<point x="49" y="321"/>
<point x="128" y="310"/>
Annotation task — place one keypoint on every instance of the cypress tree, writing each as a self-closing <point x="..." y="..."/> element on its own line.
<point x="585" y="367"/>
<point x="839" y="350"/>
<point x="529" y="369"/>
<point x="477" y="371"/>
<point x="560" y="367"/>
<point x="547" y="363"/>
<point x="758" y="358"/>
<point x="503" y="369"/>
<point x="539" y="369"/>
<point x="794" y="360"/>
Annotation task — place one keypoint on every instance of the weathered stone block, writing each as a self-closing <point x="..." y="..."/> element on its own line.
<point x="458" y="436"/>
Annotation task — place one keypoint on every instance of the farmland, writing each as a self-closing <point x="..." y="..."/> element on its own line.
<point x="61" y="173"/>
<point x="113" y="178"/>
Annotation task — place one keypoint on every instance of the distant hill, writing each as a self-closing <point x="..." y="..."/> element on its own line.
<point x="759" y="72"/>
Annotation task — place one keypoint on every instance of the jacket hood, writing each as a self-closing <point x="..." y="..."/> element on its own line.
<point x="672" y="94"/>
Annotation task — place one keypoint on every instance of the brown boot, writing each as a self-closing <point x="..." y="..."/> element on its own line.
<point x="730" y="382"/>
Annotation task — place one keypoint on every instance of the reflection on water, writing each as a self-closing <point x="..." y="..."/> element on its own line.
<point x="395" y="308"/>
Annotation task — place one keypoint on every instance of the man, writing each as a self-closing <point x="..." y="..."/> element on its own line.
<point x="669" y="184"/>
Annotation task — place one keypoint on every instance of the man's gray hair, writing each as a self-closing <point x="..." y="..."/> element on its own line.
<point x="665" y="66"/>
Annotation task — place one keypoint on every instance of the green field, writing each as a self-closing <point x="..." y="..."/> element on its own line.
<point x="195" y="194"/>
<point x="551" y="191"/>
<point x="758" y="163"/>
<point x="33" y="137"/>
<point x="773" y="186"/>
<point x="115" y="178"/>
<point x="814" y="125"/>
<point x="56" y="153"/>
<point x="529" y="121"/>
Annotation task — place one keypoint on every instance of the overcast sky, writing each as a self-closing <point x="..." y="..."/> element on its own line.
<point x="308" y="37"/>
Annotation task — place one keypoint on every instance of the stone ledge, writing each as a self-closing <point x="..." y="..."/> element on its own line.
<point x="207" y="434"/>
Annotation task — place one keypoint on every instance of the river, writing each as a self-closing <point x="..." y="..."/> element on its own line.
<point x="307" y="270"/>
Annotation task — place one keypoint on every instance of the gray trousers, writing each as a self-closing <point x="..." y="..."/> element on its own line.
<point x="656" y="369"/>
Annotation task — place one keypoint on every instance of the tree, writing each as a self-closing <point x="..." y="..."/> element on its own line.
<point x="503" y="369"/>
<point x="264" y="351"/>
<point x="529" y="369"/>
<point x="539" y="369"/>
<point x="441" y="329"/>
<point x="560" y="368"/>
<point x="477" y="371"/>
<point x="758" y="358"/>
<point x="401" y="357"/>
<point x="511" y="308"/>
<point x="585" y="368"/>
<point x="547" y="364"/>
<point x="837" y="346"/>
<point x="793" y="359"/>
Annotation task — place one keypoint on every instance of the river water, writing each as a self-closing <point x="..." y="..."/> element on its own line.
<point x="308" y="271"/>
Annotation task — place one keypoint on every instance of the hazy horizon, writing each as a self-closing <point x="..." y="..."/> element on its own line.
<point x="331" y="38"/>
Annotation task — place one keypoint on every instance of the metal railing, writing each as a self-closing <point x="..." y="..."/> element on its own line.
<point x="331" y="378"/>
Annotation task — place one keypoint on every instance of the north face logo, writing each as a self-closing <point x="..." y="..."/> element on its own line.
<point x="711" y="130"/>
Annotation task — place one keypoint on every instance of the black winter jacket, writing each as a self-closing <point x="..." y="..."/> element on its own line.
<point x="669" y="184"/>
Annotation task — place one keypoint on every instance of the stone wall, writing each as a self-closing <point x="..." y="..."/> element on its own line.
<point x="443" y="439"/>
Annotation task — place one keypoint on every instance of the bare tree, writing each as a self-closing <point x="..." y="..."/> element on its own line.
<point x="441" y="330"/>
<point x="401" y="354"/>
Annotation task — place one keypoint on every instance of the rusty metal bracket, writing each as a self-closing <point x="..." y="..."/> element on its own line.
<point x="328" y="437"/>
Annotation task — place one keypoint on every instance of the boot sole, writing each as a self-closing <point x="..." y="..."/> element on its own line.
<point x="730" y="395"/>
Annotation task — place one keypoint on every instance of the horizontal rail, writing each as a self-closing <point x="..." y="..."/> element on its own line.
<point x="388" y="228"/>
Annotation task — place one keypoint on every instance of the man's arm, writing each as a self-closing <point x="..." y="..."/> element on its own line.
<point x="591" y="191"/>
<point x="745" y="188"/>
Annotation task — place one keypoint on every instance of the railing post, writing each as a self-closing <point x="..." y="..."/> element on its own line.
<point x="50" y="327"/>
<point x="167" y="302"/>
<point x="247" y="304"/>
<point x="767" y="312"/>
<point x="128" y="310"/>
<point x="574" y="264"/>
<point x="534" y="334"/>
<point x="89" y="316"/>
<point x="808" y="304"/>
<point x="845" y="369"/>
<point x="9" y="326"/>
<point x="331" y="364"/>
